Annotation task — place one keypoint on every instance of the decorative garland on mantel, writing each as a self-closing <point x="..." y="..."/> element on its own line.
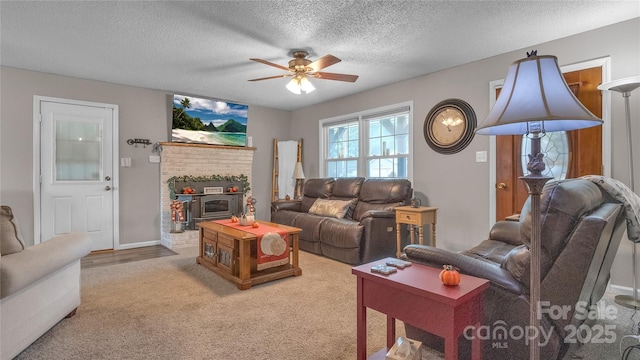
<point x="188" y="178"/>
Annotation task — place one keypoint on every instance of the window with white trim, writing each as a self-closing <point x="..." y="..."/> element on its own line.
<point x="374" y="144"/>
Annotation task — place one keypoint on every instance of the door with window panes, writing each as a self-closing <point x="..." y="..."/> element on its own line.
<point x="76" y="159"/>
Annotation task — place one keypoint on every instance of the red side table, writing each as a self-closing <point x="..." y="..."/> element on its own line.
<point x="416" y="296"/>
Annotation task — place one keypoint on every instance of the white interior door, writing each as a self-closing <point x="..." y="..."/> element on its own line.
<point x="76" y="168"/>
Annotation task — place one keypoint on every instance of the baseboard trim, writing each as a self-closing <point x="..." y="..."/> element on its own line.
<point x="138" y="245"/>
<point x="621" y="290"/>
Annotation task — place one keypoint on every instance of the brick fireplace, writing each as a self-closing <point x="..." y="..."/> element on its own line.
<point x="179" y="159"/>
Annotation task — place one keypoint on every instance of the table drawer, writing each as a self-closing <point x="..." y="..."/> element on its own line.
<point x="226" y="240"/>
<point x="408" y="218"/>
<point x="210" y="235"/>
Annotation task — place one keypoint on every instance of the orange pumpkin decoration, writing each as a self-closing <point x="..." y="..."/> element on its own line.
<point x="449" y="275"/>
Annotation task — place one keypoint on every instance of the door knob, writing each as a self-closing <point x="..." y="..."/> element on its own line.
<point x="107" y="188"/>
<point x="107" y="178"/>
<point x="501" y="186"/>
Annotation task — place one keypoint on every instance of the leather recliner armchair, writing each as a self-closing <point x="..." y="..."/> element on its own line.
<point x="581" y="229"/>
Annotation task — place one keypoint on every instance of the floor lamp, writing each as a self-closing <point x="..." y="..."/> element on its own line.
<point x="626" y="86"/>
<point x="535" y="99"/>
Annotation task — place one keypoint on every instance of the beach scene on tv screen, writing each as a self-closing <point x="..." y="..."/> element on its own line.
<point x="208" y="121"/>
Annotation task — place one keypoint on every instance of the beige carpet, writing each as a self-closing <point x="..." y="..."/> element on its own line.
<point x="171" y="308"/>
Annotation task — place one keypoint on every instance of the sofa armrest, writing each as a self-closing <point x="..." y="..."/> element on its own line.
<point x="20" y="269"/>
<point x="379" y="238"/>
<point x="294" y="205"/>
<point x="435" y="257"/>
<point x="377" y="214"/>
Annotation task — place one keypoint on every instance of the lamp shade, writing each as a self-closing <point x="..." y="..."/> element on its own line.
<point x="294" y="86"/>
<point x="534" y="91"/>
<point x="300" y="84"/>
<point x="297" y="171"/>
<point x="305" y="85"/>
<point x="622" y="85"/>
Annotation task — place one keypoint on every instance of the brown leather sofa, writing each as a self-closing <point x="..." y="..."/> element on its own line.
<point x="366" y="232"/>
<point x="581" y="231"/>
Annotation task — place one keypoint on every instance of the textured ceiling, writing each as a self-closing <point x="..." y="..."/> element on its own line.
<point x="203" y="47"/>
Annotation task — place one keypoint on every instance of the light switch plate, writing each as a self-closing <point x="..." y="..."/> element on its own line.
<point x="154" y="158"/>
<point x="481" y="156"/>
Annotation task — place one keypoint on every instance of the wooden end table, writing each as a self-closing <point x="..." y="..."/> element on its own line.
<point x="415" y="216"/>
<point x="227" y="251"/>
<point x="416" y="296"/>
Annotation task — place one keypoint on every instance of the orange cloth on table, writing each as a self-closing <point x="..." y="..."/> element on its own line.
<point x="272" y="244"/>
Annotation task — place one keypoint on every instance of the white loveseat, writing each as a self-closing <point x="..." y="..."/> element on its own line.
<point x="39" y="285"/>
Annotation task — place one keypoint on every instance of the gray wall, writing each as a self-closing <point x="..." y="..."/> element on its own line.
<point x="455" y="183"/>
<point x="142" y="114"/>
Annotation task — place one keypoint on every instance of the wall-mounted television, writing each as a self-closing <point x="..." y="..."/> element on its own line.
<point x="208" y="121"/>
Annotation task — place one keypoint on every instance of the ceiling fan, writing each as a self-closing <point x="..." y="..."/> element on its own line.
<point x="300" y="68"/>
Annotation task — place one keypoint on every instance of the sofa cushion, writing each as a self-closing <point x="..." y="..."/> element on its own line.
<point x="341" y="233"/>
<point x="315" y="189"/>
<point x="347" y="187"/>
<point x="285" y="217"/>
<point x="310" y="225"/>
<point x="332" y="208"/>
<point x="379" y="191"/>
<point x="492" y="250"/>
<point x="382" y="194"/>
<point x="10" y="238"/>
<point x="318" y="188"/>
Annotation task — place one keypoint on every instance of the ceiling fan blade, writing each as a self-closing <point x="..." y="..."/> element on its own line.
<point x="324" y="62"/>
<point x="334" y="76"/>
<point x="272" y="77"/>
<point x="271" y="64"/>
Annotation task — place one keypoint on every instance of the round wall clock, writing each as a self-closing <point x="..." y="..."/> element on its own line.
<point x="450" y="126"/>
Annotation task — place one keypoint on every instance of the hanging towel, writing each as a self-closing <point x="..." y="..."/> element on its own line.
<point x="287" y="158"/>
<point x="628" y="198"/>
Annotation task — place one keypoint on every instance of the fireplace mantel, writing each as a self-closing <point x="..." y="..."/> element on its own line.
<point x="207" y="146"/>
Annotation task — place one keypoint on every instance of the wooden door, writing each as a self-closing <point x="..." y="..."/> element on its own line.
<point x="585" y="147"/>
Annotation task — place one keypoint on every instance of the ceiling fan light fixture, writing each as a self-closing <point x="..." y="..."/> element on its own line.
<point x="294" y="86"/>
<point x="300" y="68"/>
<point x="306" y="85"/>
<point x="300" y="84"/>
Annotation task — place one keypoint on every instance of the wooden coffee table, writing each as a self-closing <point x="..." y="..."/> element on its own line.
<point x="416" y="296"/>
<point x="231" y="253"/>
